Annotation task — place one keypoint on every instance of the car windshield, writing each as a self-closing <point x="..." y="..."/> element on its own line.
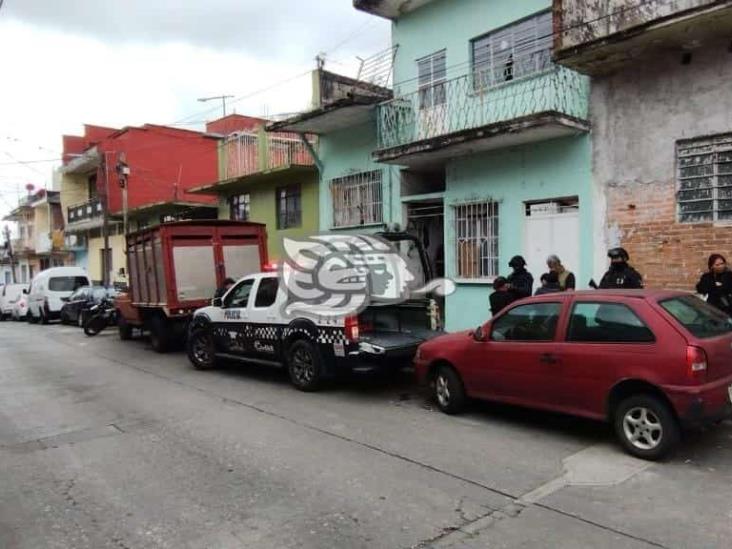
<point x="698" y="317"/>
<point x="66" y="283"/>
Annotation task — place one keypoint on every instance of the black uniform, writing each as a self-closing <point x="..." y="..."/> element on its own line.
<point x="522" y="283"/>
<point x="500" y="300"/>
<point x="718" y="289"/>
<point x="621" y="275"/>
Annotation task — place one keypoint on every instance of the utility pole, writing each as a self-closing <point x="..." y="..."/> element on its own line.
<point x="105" y="223"/>
<point x="223" y="101"/>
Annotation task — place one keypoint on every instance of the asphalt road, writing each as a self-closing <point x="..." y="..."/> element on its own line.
<point x="105" y="443"/>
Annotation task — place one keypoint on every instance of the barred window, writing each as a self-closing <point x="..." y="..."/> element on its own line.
<point x="705" y="179"/>
<point x="521" y="49"/>
<point x="239" y="207"/>
<point x="357" y="199"/>
<point x="476" y="239"/>
<point x="289" y="207"/>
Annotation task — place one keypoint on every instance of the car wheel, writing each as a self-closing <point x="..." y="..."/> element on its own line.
<point x="305" y="366"/>
<point x="646" y="427"/>
<point x="449" y="391"/>
<point x="124" y="329"/>
<point x="200" y="349"/>
<point x="159" y="335"/>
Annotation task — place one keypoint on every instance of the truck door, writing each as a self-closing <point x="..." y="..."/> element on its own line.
<point x="231" y="334"/>
<point x="265" y="333"/>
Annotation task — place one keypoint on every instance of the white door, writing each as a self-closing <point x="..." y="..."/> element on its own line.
<point x="556" y="233"/>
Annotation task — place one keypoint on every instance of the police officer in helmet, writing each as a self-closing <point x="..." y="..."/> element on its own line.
<point x="520" y="281"/>
<point x="620" y="274"/>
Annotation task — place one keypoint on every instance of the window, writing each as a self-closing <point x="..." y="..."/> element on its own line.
<point x="534" y="322"/>
<point x="289" y="213"/>
<point x="432" y="73"/>
<point x="705" y="179"/>
<point x="607" y="323"/>
<point x="66" y="283"/>
<point x="476" y="239"/>
<point x="698" y="317"/>
<point x="266" y="292"/>
<point x="239" y="207"/>
<point x="518" y="50"/>
<point x="239" y="296"/>
<point x="357" y="199"/>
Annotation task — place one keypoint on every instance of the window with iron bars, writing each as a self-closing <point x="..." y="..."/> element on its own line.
<point x="476" y="239"/>
<point x="289" y="207"/>
<point x="239" y="207"/>
<point x="357" y="199"/>
<point x="519" y="50"/>
<point x="704" y="169"/>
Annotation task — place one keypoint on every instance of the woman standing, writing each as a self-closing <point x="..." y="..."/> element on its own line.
<point x="716" y="284"/>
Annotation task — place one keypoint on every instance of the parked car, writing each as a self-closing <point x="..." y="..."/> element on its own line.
<point x="20" y="308"/>
<point x="9" y="295"/>
<point x="648" y="362"/>
<point x="49" y="287"/>
<point x="76" y="305"/>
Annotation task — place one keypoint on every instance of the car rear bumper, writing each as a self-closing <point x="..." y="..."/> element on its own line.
<point x="702" y="404"/>
<point x="372" y="357"/>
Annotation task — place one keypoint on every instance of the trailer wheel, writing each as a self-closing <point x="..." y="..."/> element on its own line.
<point x="159" y="334"/>
<point x="200" y="348"/>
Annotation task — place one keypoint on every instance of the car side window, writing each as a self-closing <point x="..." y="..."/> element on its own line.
<point x="607" y="323"/>
<point x="531" y="322"/>
<point x="239" y="296"/>
<point x="266" y="292"/>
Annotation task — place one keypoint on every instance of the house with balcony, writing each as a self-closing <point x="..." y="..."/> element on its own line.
<point x="490" y="140"/>
<point x="132" y="177"/>
<point x="661" y="113"/>
<point x="263" y="177"/>
<point x="39" y="242"/>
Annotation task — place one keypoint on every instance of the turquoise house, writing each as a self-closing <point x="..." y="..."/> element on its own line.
<point x="491" y="143"/>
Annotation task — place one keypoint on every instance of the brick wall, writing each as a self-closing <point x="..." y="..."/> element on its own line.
<point x="668" y="254"/>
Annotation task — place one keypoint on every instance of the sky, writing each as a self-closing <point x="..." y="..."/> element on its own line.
<point x="116" y="63"/>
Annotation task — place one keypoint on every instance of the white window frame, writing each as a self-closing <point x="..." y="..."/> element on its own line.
<point x="357" y="199"/>
<point x="475" y="233"/>
<point x="704" y="179"/>
<point x="432" y="78"/>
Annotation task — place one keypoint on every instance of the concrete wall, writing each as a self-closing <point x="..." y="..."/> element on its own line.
<point x="94" y="261"/>
<point x="638" y="114"/>
<point x="74" y="190"/>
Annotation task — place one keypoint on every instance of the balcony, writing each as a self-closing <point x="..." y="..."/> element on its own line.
<point x="85" y="215"/>
<point x="602" y="36"/>
<point x="458" y="117"/>
<point x="390" y="9"/>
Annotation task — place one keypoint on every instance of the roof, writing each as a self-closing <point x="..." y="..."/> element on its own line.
<point x="652" y="294"/>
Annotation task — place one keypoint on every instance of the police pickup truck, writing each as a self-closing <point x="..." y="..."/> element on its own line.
<point x="249" y="324"/>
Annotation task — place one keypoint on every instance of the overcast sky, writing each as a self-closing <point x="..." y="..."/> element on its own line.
<point x="64" y="63"/>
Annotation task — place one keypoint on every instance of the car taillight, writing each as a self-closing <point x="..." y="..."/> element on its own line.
<point x="352" y="329"/>
<point x="696" y="363"/>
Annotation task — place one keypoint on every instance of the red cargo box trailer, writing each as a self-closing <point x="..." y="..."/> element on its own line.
<point x="175" y="268"/>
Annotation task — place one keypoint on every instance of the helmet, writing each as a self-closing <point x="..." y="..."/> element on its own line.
<point x="517" y="262"/>
<point x="621" y="253"/>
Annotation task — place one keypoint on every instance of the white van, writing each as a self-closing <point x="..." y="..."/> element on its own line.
<point x="9" y="296"/>
<point x="49" y="287"/>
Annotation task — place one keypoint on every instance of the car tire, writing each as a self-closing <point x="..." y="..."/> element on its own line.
<point x="200" y="349"/>
<point x="124" y="329"/>
<point x="159" y="335"/>
<point x="305" y="366"/>
<point x="646" y="427"/>
<point x="448" y="390"/>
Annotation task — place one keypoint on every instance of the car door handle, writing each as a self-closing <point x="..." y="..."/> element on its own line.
<point x="548" y="358"/>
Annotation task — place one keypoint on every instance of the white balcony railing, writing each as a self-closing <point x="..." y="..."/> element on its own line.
<point x="249" y="153"/>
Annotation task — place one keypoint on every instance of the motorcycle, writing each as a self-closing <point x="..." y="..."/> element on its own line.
<point x="100" y="316"/>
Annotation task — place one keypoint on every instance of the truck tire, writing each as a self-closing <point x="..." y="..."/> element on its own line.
<point x="124" y="329"/>
<point x="305" y="366"/>
<point x="200" y="349"/>
<point x="159" y="334"/>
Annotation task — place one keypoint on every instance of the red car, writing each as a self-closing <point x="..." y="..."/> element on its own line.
<point x="650" y="362"/>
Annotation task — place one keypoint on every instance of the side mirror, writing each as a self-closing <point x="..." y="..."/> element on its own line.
<point x="479" y="334"/>
<point x="217" y="302"/>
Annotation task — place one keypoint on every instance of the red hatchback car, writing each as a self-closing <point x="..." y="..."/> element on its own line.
<point x="648" y="361"/>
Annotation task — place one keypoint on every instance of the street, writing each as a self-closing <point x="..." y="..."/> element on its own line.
<point x="105" y="443"/>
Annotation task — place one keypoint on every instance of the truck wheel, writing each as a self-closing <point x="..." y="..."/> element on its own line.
<point x="200" y="349"/>
<point x="124" y="329"/>
<point x="646" y="427"/>
<point x="159" y="335"/>
<point x="449" y="391"/>
<point x="305" y="366"/>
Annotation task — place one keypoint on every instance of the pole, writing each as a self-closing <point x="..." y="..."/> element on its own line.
<point x="10" y="253"/>
<point x="105" y="223"/>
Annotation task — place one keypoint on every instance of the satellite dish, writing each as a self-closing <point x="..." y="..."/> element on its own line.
<point x="29" y="187"/>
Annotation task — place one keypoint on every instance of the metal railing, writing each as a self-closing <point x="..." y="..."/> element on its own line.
<point x="249" y="153"/>
<point x="464" y="103"/>
<point x="84" y="211"/>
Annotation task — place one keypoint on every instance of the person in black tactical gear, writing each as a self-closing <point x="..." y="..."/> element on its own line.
<point x="716" y="284"/>
<point x="520" y="281"/>
<point x="549" y="284"/>
<point x="620" y="274"/>
<point x="228" y="283"/>
<point x="501" y="296"/>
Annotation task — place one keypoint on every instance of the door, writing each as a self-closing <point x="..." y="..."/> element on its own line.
<point x="432" y="118"/>
<point x="518" y="360"/>
<point x="552" y="229"/>
<point x="231" y="336"/>
<point x="263" y="313"/>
